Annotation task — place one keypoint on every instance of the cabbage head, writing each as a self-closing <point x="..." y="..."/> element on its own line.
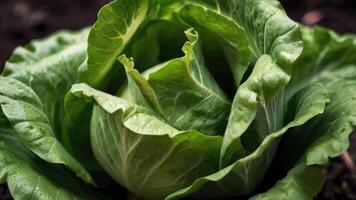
<point x="178" y="99"/>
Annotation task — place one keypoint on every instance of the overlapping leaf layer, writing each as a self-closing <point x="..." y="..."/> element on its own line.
<point x="178" y="98"/>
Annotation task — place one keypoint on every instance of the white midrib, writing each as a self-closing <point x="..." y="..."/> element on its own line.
<point x="155" y="167"/>
<point x="125" y="157"/>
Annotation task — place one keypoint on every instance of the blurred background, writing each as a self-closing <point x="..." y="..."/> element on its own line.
<point x="24" y="20"/>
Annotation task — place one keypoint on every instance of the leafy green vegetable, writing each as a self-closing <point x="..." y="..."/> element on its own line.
<point x="32" y="94"/>
<point x="29" y="177"/>
<point x="229" y="35"/>
<point x="182" y="89"/>
<point x="241" y="177"/>
<point x="210" y="98"/>
<point x="35" y="135"/>
<point x="327" y="135"/>
<point x="116" y="25"/>
<point x="131" y="131"/>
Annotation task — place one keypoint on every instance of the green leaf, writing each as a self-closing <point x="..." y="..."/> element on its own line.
<point x="324" y="137"/>
<point x="257" y="106"/>
<point x="326" y="57"/>
<point x="140" y="90"/>
<point x="229" y="35"/>
<point x="117" y="23"/>
<point x="146" y="155"/>
<point x="269" y="30"/>
<point x="52" y="50"/>
<point x="301" y="182"/>
<point x="29" y="177"/>
<point x="334" y="66"/>
<point x="33" y="126"/>
<point x="327" y="135"/>
<point x="241" y="177"/>
<point x="336" y="125"/>
<point x="31" y="97"/>
<point x="181" y="90"/>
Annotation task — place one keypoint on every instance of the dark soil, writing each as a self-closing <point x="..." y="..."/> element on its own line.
<point x="24" y="20"/>
<point x="4" y="193"/>
<point x="340" y="180"/>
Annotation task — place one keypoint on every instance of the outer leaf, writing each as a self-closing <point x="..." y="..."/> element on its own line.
<point x="228" y="34"/>
<point x="241" y="177"/>
<point x="336" y="124"/>
<point x="33" y="126"/>
<point x="28" y="177"/>
<point x="117" y="23"/>
<point x="256" y="99"/>
<point x="325" y="137"/>
<point x="32" y="94"/>
<point x="149" y="157"/>
<point x="326" y="58"/>
<point x="51" y="50"/>
<point x="339" y="117"/>
<point x="49" y="67"/>
<point x="302" y="182"/>
<point x="269" y="29"/>
<point x="182" y="90"/>
<point x="258" y="103"/>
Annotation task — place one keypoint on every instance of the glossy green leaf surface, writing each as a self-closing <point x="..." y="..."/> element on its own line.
<point x="269" y="29"/>
<point x="29" y="177"/>
<point x="228" y="34"/>
<point x="241" y="177"/>
<point x="172" y="99"/>
<point x="32" y="94"/>
<point x="181" y="90"/>
<point x="117" y="23"/>
<point x="258" y="103"/>
<point x="326" y="56"/>
<point x="327" y="135"/>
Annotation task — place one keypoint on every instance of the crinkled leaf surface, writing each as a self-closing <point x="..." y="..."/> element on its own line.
<point x="258" y="104"/>
<point x="182" y="90"/>
<point x="301" y="182"/>
<point x="226" y="32"/>
<point x="32" y="91"/>
<point x="117" y="23"/>
<point x="269" y="29"/>
<point x="327" y="58"/>
<point x="29" y="177"/>
<point x="325" y="137"/>
<point x="256" y="99"/>
<point x="241" y="177"/>
<point x="154" y="138"/>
